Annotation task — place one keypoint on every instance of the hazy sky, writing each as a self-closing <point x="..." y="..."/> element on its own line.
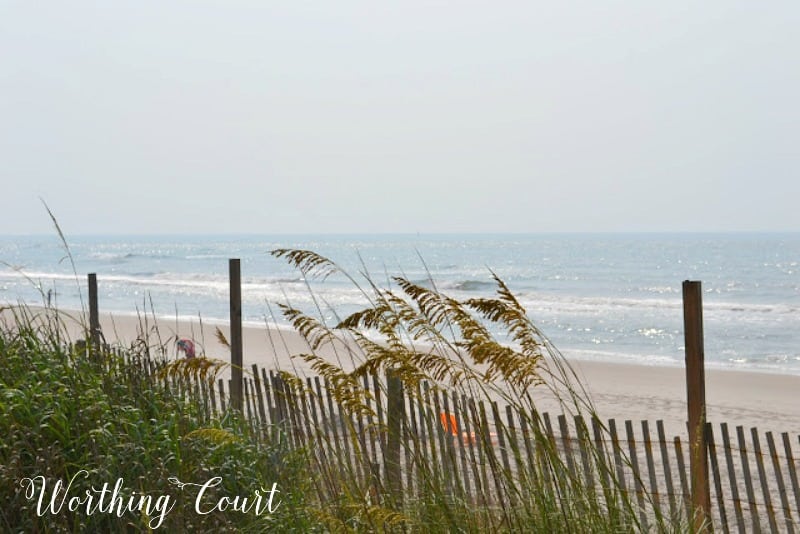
<point x="273" y="117"/>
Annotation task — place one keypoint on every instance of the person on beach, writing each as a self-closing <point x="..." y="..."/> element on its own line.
<point x="187" y="347"/>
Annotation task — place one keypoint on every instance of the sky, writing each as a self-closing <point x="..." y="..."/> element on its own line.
<point x="153" y="117"/>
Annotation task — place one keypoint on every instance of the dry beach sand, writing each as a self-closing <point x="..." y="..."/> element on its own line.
<point x="770" y="402"/>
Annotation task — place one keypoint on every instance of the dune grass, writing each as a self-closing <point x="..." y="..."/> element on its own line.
<point x="420" y="336"/>
<point x="61" y="412"/>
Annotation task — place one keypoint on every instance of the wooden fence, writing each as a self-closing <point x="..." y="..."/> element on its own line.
<point x="408" y="437"/>
<point x="399" y="440"/>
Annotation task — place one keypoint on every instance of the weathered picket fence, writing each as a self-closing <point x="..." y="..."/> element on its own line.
<point x="465" y="442"/>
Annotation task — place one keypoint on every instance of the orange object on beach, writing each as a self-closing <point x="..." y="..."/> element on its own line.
<point x="450" y="425"/>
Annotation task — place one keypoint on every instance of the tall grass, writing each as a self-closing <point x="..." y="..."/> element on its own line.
<point x="62" y="411"/>
<point x="444" y="356"/>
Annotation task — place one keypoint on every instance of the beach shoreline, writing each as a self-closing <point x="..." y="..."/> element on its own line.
<point x="619" y="391"/>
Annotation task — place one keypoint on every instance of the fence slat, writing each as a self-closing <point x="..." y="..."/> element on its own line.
<point x="284" y="408"/>
<point x="222" y="394"/>
<point x="319" y="434"/>
<point x="584" y="444"/>
<point x="762" y="475"/>
<point x="408" y="456"/>
<point x="737" y="502"/>
<point x="452" y="438"/>
<point x="714" y="465"/>
<point x="662" y="442"/>
<point x="259" y="399"/>
<point x="464" y="439"/>
<point x="334" y="419"/>
<point x="513" y="443"/>
<point x="328" y="426"/>
<point x="246" y="401"/>
<point x="203" y="384"/>
<point x="637" y="477"/>
<point x="748" y="482"/>
<point x="501" y="438"/>
<point x="612" y="428"/>
<point x="477" y="459"/>
<point x="381" y="410"/>
<point x="435" y="437"/>
<point x="787" y="512"/>
<point x="306" y="405"/>
<point x="602" y="456"/>
<point x="787" y="448"/>
<point x="268" y="398"/>
<point x="412" y="449"/>
<point x="685" y="496"/>
<point x="281" y="417"/>
<point x="651" y="469"/>
<point x="213" y="396"/>
<point x="422" y="440"/>
<point x="295" y="411"/>
<point x="566" y="441"/>
<point x="545" y="438"/>
<point x="368" y="463"/>
<point x="252" y="401"/>
<point x="370" y="428"/>
<point x="489" y="452"/>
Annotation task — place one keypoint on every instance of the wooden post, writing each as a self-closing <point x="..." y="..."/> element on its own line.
<point x="94" y="314"/>
<point x="395" y="414"/>
<point x="696" y="397"/>
<point x="234" y="269"/>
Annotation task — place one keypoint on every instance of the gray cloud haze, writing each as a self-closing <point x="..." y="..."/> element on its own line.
<point x="166" y="117"/>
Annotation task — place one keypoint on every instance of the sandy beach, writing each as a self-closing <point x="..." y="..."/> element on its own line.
<point x="769" y="402"/>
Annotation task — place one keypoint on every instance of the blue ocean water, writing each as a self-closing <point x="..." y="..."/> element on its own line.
<point x="599" y="297"/>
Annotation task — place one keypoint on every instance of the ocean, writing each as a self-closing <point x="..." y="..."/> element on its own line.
<point x="605" y="297"/>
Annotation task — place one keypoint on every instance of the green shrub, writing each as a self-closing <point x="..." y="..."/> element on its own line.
<point x="74" y="415"/>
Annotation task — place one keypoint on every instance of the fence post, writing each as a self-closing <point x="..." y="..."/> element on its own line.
<point x="696" y="398"/>
<point x="395" y="414"/>
<point x="234" y="270"/>
<point x="94" y="314"/>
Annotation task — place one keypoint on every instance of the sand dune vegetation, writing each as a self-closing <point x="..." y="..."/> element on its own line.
<point x="93" y="415"/>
